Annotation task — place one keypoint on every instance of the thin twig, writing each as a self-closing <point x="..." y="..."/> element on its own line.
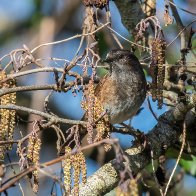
<point x="179" y="24"/>
<point x="30" y="88"/>
<point x="178" y="159"/>
<point x="70" y="38"/>
<point x="52" y="176"/>
<point x="43" y="114"/>
<point x="37" y="70"/>
<point x="181" y="32"/>
<point x="150" y="108"/>
<point x="154" y="174"/>
<point x="181" y="8"/>
<point x="31" y="71"/>
<point x="133" y="43"/>
<point x="128" y="130"/>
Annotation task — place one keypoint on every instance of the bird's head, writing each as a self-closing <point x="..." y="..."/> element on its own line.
<point x="121" y="60"/>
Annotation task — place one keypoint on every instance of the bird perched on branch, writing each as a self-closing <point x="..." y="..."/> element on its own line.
<point x="119" y="95"/>
<point x="122" y="91"/>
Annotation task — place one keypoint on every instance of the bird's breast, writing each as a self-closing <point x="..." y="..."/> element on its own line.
<point x="122" y="97"/>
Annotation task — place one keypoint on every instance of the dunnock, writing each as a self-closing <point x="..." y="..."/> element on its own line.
<point x="122" y="91"/>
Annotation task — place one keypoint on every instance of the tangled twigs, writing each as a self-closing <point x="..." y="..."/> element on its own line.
<point x="142" y="26"/>
<point x="22" y="57"/>
<point x="70" y="38"/>
<point x="8" y="183"/>
<point x="158" y="46"/>
<point x="127" y="184"/>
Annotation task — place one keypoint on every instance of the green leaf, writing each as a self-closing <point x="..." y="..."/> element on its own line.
<point x="189" y="166"/>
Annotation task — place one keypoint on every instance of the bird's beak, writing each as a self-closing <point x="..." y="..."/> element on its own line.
<point x="105" y="64"/>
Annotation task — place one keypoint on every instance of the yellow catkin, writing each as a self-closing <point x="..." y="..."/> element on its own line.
<point x="12" y="114"/>
<point x="30" y="148"/>
<point x="66" y="164"/>
<point x="133" y="188"/>
<point x="95" y="114"/>
<point x="3" y="115"/>
<point x="33" y="151"/>
<point x="76" y="174"/>
<point x="119" y="192"/>
<point x="83" y="167"/>
<point x="36" y="157"/>
<point x="78" y="163"/>
<point x="157" y="70"/>
<point x="35" y="181"/>
<point x="7" y="117"/>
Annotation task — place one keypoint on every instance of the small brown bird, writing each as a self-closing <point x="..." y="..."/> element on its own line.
<point x="120" y="94"/>
<point x="122" y="91"/>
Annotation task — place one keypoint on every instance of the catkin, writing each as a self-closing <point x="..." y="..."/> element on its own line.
<point x="33" y="151"/>
<point x="95" y="113"/>
<point x="157" y="70"/>
<point x="77" y="164"/>
<point x="7" y="117"/>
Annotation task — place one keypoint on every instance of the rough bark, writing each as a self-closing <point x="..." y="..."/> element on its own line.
<point x="165" y="133"/>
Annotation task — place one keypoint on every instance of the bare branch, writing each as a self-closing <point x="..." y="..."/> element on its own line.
<point x="55" y="119"/>
<point x="164" y="133"/>
<point x="54" y="87"/>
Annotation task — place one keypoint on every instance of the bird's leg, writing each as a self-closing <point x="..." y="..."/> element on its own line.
<point x="131" y="130"/>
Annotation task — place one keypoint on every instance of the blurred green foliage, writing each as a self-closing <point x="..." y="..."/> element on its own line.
<point x="189" y="165"/>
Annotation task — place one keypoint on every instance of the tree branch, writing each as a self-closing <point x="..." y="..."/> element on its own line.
<point x="163" y="134"/>
<point x="29" y="88"/>
<point x="54" y="87"/>
<point x="55" y="119"/>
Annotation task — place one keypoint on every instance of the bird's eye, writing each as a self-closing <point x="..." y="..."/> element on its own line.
<point x="120" y="56"/>
<point x="108" y="56"/>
